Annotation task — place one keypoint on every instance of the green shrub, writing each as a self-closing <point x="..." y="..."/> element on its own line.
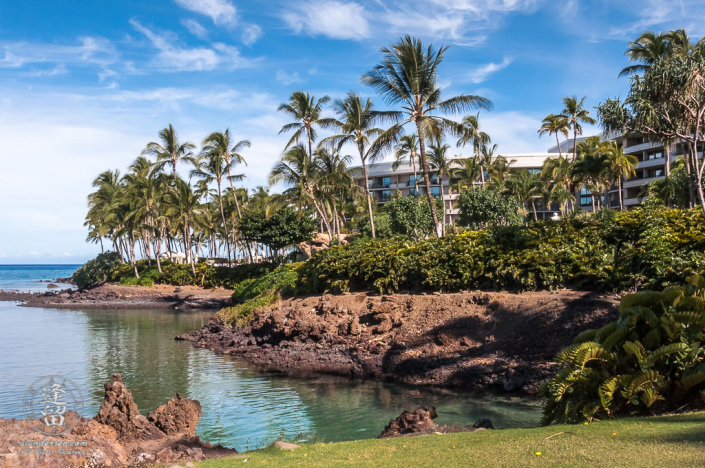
<point x="282" y="280"/>
<point x="649" y="360"/>
<point x="96" y="270"/>
<point x="482" y="207"/>
<point x="243" y="314"/>
<point x="382" y="227"/>
<point x="603" y="251"/>
<point x="411" y="216"/>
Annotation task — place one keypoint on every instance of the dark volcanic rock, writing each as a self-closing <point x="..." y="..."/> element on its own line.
<point x="419" y="421"/>
<point x="178" y="416"/>
<point x="120" y="412"/>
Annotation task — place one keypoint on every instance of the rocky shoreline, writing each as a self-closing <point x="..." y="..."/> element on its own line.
<point x="497" y="341"/>
<point x="114" y="296"/>
<point x="119" y="435"/>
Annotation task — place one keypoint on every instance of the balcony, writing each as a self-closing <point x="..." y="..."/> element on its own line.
<point x="651" y="163"/>
<point x="640" y="147"/>
<point x="380" y="185"/>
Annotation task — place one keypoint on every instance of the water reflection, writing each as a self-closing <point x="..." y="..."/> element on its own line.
<point x="242" y="407"/>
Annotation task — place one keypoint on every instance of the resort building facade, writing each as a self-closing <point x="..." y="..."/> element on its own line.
<point x="385" y="181"/>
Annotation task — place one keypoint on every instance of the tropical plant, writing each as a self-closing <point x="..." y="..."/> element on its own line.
<point x="307" y="111"/>
<point x="525" y="186"/>
<point x="96" y="270"/>
<point x="440" y="162"/>
<point x="407" y="148"/>
<point x="482" y="207"/>
<point x="575" y="112"/>
<point x="554" y="125"/>
<point x="170" y="150"/>
<point x="650" y="360"/>
<point x="621" y="165"/>
<point x="471" y="133"/>
<point x="407" y="76"/>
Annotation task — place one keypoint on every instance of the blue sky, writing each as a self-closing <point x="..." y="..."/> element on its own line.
<point x="84" y="85"/>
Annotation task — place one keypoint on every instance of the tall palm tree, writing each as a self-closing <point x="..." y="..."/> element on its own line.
<point x="554" y="124"/>
<point x="562" y="197"/>
<point x="622" y="166"/>
<point x="646" y="50"/>
<point x="591" y="168"/>
<point x="526" y="186"/>
<point x="466" y="175"/>
<point x="499" y="170"/>
<point x="170" y="150"/>
<point x="221" y="143"/>
<point x="576" y="114"/>
<point x="336" y="180"/>
<point x="356" y="123"/>
<point x="471" y="133"/>
<point x="307" y="111"/>
<point x="210" y="166"/>
<point x="184" y="207"/>
<point x="407" y="76"/>
<point x="407" y="148"/>
<point x="439" y="161"/>
<point x="299" y="170"/>
<point x="558" y="172"/>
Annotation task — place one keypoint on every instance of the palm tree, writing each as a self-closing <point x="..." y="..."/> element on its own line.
<point x="499" y="170"/>
<point x="558" y="172"/>
<point x="591" y="169"/>
<point x="471" y="133"/>
<point x="526" y="186"/>
<point x="574" y="111"/>
<point x="307" y="111"/>
<point x="184" y="207"/>
<point x="210" y="166"/>
<point x="646" y="50"/>
<point x="562" y="197"/>
<point x="170" y="151"/>
<point x="299" y="170"/>
<point x="553" y="125"/>
<point x="407" y="148"/>
<point x="220" y="143"/>
<point x="439" y="162"/>
<point x="356" y="124"/>
<point x="336" y="180"/>
<point x="622" y="166"/>
<point x="467" y="174"/>
<point x="407" y="76"/>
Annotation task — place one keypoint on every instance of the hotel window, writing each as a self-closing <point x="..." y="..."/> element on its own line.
<point x="654" y="155"/>
<point x="434" y="178"/>
<point x="386" y="182"/>
<point x="370" y="183"/>
<point x="585" y="197"/>
<point x="385" y="196"/>
<point x="411" y="180"/>
<point x="654" y="173"/>
<point x="436" y="192"/>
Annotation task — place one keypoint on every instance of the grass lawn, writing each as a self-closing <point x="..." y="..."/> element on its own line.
<point x="666" y="441"/>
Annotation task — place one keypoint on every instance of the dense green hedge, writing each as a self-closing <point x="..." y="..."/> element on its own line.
<point x="97" y="270"/>
<point x="650" y="360"/>
<point x="645" y="248"/>
<point x="181" y="275"/>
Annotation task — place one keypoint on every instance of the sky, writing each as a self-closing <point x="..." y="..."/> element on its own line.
<point x="85" y="84"/>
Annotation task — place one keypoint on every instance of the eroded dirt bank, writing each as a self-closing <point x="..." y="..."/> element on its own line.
<point x="471" y="340"/>
<point x="114" y="296"/>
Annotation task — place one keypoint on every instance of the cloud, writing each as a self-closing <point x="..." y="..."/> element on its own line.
<point x="89" y="51"/>
<point x="286" y="78"/>
<point x="195" y="28"/>
<point x="676" y="14"/>
<point x="334" y="19"/>
<point x="175" y="58"/>
<point x="250" y="34"/>
<point x="481" y="73"/>
<point x="55" y="71"/>
<point x="222" y="12"/>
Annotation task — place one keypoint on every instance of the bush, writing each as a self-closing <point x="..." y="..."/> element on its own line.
<point x="603" y="251"/>
<point x="382" y="228"/>
<point x="411" y="216"/>
<point x="650" y="360"/>
<point x="96" y="270"/>
<point x="481" y="207"/>
<point x="282" y="280"/>
<point x="243" y="314"/>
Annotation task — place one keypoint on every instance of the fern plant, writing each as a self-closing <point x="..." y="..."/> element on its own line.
<point x="651" y="359"/>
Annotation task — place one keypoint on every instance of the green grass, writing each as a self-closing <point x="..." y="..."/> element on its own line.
<point x="672" y="441"/>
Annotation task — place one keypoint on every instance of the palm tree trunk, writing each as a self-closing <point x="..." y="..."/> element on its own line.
<point x="173" y="165"/>
<point x="416" y="177"/>
<point x="689" y="170"/>
<point x="560" y="153"/>
<point x="336" y="226"/>
<point x="443" y="202"/>
<point x="187" y="246"/>
<point x="225" y="223"/>
<point x="533" y="207"/>
<point x="621" y="201"/>
<point x="575" y="140"/>
<point x="427" y="181"/>
<point x="367" y="194"/>
<point x="667" y="155"/>
<point x="102" y="250"/>
<point x="322" y="214"/>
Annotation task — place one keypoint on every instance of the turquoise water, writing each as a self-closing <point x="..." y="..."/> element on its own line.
<point x="242" y="407"/>
<point x="32" y="278"/>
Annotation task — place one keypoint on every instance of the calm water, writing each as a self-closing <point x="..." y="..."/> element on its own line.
<point x="242" y="408"/>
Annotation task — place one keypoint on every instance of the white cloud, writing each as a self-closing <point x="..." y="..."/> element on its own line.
<point x="195" y="28"/>
<point x="90" y="50"/>
<point x="174" y="58"/>
<point x="481" y="73"/>
<point x="54" y="71"/>
<point x="287" y="78"/>
<point x="222" y="12"/>
<point x="250" y="34"/>
<point x="334" y="19"/>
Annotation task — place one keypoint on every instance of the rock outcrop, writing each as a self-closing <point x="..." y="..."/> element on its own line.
<point x="420" y="422"/>
<point x="118" y="436"/>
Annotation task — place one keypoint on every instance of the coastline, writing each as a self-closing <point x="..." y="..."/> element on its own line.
<point x="115" y="296"/>
<point x="481" y="340"/>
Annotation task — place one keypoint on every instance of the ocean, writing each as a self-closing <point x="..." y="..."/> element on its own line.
<point x="33" y="278"/>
